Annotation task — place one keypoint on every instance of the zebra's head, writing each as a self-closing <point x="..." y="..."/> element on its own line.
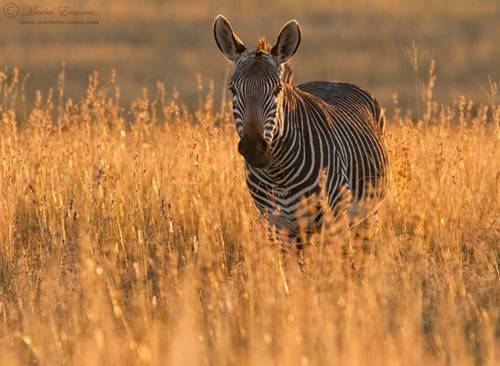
<point x="256" y="84"/>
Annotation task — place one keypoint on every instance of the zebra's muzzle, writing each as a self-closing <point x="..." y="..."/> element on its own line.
<point x="255" y="151"/>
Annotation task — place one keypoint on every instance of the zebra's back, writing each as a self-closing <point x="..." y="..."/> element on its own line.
<point x="337" y="93"/>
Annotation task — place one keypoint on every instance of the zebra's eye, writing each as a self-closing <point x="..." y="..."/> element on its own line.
<point x="232" y="89"/>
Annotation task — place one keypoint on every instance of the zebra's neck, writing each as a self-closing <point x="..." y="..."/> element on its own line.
<point x="287" y="145"/>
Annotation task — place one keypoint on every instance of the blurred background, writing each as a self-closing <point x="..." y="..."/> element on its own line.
<point x="366" y="42"/>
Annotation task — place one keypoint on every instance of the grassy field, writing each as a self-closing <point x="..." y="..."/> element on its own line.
<point x="361" y="41"/>
<point x="127" y="236"/>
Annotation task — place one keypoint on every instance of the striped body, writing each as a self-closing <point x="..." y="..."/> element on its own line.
<point x="329" y="130"/>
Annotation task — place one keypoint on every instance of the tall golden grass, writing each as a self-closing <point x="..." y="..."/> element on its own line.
<point x="127" y="236"/>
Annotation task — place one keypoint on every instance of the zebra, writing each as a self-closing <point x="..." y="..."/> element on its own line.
<point x="302" y="142"/>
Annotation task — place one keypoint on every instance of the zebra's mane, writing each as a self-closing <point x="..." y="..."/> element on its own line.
<point x="263" y="45"/>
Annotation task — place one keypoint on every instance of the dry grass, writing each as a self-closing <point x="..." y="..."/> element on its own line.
<point x="138" y="243"/>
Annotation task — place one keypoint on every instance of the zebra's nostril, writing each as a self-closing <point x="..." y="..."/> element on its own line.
<point x="252" y="148"/>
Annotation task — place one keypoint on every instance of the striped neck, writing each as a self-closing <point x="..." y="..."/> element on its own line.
<point x="287" y="145"/>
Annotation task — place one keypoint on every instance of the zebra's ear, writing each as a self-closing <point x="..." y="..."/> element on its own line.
<point x="288" y="41"/>
<point x="227" y="41"/>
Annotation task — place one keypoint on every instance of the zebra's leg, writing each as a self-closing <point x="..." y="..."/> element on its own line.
<point x="287" y="241"/>
<point x="272" y="235"/>
<point x="363" y="224"/>
<point x="294" y="242"/>
<point x="363" y="234"/>
<point x="279" y="237"/>
<point x="298" y="241"/>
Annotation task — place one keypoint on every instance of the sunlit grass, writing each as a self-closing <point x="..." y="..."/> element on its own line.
<point x="129" y="237"/>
